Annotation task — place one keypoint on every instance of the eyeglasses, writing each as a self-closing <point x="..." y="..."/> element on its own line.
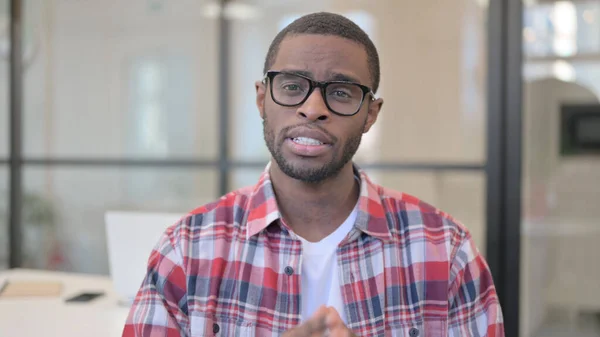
<point x="341" y="97"/>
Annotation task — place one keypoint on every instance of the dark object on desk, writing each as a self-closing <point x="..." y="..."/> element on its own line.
<point x="84" y="297"/>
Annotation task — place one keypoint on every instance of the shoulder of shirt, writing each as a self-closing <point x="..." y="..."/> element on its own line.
<point x="424" y="218"/>
<point x="225" y="211"/>
<point x="237" y="198"/>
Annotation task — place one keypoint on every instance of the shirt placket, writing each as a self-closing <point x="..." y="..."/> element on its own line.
<point x="290" y="268"/>
<point x="362" y="282"/>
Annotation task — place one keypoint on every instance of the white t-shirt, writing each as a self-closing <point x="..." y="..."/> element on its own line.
<point x="320" y="271"/>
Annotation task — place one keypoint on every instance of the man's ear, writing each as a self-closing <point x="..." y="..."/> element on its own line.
<point x="373" y="113"/>
<point x="261" y="91"/>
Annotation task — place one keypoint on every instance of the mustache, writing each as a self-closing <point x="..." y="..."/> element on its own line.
<point x="288" y="129"/>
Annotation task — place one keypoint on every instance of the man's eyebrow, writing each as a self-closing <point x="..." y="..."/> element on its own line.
<point x="343" y="77"/>
<point x="298" y="72"/>
<point x="333" y="76"/>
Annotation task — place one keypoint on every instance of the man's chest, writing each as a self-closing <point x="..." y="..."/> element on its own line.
<point x="256" y="289"/>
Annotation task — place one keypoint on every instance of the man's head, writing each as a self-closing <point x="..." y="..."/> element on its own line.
<point x="313" y="133"/>
<point x="333" y="25"/>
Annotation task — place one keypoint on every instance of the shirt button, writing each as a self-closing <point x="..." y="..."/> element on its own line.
<point x="413" y="332"/>
<point x="216" y="328"/>
<point x="289" y="270"/>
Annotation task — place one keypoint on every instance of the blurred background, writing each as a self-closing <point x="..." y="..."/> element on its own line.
<point x="491" y="114"/>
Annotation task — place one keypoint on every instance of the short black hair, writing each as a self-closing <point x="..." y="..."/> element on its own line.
<point x="323" y="23"/>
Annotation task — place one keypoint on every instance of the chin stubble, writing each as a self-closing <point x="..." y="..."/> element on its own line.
<point x="309" y="175"/>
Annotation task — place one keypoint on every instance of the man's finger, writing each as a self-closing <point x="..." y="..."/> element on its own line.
<point x="333" y="319"/>
<point x="314" y="325"/>
<point x="336" y="325"/>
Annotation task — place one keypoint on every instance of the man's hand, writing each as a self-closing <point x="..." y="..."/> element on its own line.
<point x="326" y="321"/>
<point x="336" y="326"/>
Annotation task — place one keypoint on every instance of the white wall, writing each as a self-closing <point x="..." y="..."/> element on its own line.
<point x="115" y="80"/>
<point x="84" y="80"/>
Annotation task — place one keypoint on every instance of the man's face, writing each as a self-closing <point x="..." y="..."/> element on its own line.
<point x="309" y="142"/>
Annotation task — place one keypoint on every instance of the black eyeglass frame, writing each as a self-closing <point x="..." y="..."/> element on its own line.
<point x="321" y="85"/>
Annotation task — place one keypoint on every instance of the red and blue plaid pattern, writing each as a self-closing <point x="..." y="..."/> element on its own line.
<point x="231" y="268"/>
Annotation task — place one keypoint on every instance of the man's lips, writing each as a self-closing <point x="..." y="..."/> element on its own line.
<point x="306" y="147"/>
<point x="307" y="136"/>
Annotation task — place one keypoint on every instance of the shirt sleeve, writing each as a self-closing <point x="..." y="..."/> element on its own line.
<point x="160" y="306"/>
<point x="474" y="308"/>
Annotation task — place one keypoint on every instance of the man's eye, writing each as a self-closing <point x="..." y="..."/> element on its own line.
<point x="341" y="94"/>
<point x="292" y="87"/>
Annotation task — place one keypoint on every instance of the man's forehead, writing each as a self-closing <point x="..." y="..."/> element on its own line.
<point x="323" y="57"/>
<point x="318" y="44"/>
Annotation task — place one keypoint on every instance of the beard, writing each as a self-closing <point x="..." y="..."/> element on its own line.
<point x="310" y="174"/>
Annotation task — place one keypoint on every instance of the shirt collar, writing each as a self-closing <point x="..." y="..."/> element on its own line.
<point x="371" y="218"/>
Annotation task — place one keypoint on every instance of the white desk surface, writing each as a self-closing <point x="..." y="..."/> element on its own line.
<point x="49" y="317"/>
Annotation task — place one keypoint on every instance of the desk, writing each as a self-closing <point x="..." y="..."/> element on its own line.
<point x="49" y="317"/>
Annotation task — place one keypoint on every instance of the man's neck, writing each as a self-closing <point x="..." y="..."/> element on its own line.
<point x="315" y="210"/>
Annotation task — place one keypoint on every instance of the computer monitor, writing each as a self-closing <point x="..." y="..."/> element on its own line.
<point x="131" y="236"/>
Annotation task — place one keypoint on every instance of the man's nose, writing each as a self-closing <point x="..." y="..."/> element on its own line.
<point x="314" y="108"/>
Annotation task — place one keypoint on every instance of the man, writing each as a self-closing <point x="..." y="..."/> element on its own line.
<point x="316" y="248"/>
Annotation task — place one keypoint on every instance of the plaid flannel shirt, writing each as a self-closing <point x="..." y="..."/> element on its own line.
<point x="231" y="268"/>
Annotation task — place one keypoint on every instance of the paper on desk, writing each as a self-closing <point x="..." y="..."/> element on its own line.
<point x="30" y="288"/>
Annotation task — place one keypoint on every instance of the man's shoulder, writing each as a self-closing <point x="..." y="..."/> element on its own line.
<point x="227" y="211"/>
<point x="413" y="215"/>
<point x="238" y="198"/>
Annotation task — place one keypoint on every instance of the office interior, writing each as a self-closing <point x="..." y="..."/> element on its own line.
<point x="491" y="114"/>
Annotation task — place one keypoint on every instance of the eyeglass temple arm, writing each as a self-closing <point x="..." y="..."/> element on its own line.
<point x="372" y="95"/>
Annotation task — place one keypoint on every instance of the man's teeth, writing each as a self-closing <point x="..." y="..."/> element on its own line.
<point x="306" y="141"/>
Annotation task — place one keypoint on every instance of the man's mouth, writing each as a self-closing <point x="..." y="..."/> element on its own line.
<point x="306" y="141"/>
